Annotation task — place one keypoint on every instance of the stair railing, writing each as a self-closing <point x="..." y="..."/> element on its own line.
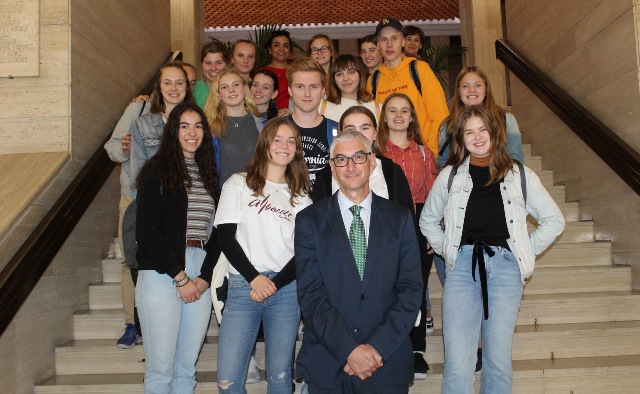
<point x="26" y="267"/>
<point x="622" y="158"/>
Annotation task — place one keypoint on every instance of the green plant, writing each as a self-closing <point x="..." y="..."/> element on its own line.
<point x="439" y="56"/>
<point x="260" y="37"/>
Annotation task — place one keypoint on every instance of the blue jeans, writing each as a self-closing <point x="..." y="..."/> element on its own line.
<point x="241" y="319"/>
<point x="173" y="331"/>
<point x="463" y="319"/>
<point x="440" y="269"/>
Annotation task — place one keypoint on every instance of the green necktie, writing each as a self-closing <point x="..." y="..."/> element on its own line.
<point x="357" y="240"/>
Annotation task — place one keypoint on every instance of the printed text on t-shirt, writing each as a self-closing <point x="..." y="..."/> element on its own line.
<point x="264" y="205"/>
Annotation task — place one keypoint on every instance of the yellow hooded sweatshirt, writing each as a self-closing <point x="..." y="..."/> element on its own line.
<point x="431" y="106"/>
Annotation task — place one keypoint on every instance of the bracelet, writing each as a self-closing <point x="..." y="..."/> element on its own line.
<point x="184" y="278"/>
<point x="187" y="281"/>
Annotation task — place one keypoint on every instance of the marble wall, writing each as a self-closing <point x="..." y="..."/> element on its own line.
<point x="589" y="48"/>
<point x="96" y="56"/>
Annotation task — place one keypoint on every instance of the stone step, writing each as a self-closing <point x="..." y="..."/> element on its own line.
<point x="568" y="308"/>
<point x="109" y="324"/>
<point x="584" y="375"/>
<point x="561" y="277"/>
<point x="575" y="254"/>
<point x="530" y="342"/>
<point x="561" y="341"/>
<point x="570" y="211"/>
<point x="101" y="356"/>
<point x="111" y="270"/>
<point x="574" y="232"/>
<point x="526" y="151"/>
<point x="557" y="193"/>
<point x="534" y="163"/>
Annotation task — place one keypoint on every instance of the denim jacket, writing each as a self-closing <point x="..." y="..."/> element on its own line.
<point x="452" y="207"/>
<point x="146" y="135"/>
<point x="114" y="145"/>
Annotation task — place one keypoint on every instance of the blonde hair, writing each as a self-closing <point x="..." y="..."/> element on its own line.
<point x="216" y="110"/>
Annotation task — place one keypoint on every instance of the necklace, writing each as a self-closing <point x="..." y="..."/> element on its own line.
<point x="239" y="120"/>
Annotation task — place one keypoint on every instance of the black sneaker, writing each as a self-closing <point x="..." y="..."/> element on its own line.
<point x="479" y="360"/>
<point x="420" y="367"/>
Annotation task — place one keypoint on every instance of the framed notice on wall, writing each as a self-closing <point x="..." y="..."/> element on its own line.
<point x="19" y="38"/>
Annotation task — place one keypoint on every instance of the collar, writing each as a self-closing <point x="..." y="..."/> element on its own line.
<point x="344" y="203"/>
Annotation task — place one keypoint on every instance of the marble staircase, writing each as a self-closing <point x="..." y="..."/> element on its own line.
<point x="577" y="331"/>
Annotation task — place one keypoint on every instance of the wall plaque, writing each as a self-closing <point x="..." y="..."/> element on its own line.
<point x="19" y="38"/>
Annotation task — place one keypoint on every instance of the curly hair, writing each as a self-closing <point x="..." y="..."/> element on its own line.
<point x="414" y="127"/>
<point x="500" y="162"/>
<point x="171" y="158"/>
<point x="157" y="101"/>
<point x="346" y="63"/>
<point x="296" y="174"/>
<point x="216" y="111"/>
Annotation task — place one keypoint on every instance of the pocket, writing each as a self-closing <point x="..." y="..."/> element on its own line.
<point x="150" y="141"/>
<point x="237" y="281"/>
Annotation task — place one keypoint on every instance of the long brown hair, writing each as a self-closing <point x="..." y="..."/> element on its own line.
<point x="345" y="63"/>
<point x="413" y="131"/>
<point x="215" y="109"/>
<point x="458" y="106"/>
<point x="157" y="101"/>
<point x="171" y="157"/>
<point x="500" y="162"/>
<point x="296" y="174"/>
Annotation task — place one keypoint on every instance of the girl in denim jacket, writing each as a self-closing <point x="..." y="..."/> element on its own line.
<point x="486" y="247"/>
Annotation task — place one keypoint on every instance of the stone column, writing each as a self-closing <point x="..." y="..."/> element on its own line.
<point x="481" y="26"/>
<point x="187" y="29"/>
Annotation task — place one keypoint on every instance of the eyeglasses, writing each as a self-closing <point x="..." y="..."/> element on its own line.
<point x="322" y="49"/>
<point x="358" y="158"/>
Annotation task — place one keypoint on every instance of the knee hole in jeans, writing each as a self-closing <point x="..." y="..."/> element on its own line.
<point x="225" y="384"/>
<point x="277" y="378"/>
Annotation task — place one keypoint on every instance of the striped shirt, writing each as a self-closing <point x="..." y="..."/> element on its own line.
<point x="419" y="166"/>
<point x="201" y="205"/>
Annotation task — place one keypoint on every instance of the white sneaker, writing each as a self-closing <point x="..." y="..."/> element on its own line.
<point x="429" y="325"/>
<point x="253" y="373"/>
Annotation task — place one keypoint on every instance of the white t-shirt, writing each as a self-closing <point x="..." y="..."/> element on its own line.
<point x="335" y="111"/>
<point x="265" y="223"/>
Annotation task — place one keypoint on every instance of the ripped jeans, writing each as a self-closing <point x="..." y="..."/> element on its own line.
<point x="241" y="319"/>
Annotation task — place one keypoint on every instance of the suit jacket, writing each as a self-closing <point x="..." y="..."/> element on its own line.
<point x="340" y="310"/>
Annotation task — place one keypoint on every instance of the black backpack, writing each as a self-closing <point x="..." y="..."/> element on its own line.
<point x="415" y="77"/>
<point x="129" y="242"/>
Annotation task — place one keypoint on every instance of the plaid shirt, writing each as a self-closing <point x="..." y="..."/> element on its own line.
<point x="419" y="165"/>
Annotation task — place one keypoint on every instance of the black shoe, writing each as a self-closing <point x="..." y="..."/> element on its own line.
<point x="420" y="367"/>
<point x="479" y="360"/>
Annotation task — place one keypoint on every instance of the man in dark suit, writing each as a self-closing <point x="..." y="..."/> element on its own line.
<point x="359" y="282"/>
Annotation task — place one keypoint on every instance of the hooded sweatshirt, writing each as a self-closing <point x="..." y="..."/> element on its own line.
<point x="431" y="106"/>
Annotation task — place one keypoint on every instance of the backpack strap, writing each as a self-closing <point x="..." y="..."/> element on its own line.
<point x="413" y="67"/>
<point x="444" y="146"/>
<point x="453" y="173"/>
<point x="523" y="182"/>
<point x="323" y="106"/>
<point x="422" y="150"/>
<point x="332" y="129"/>
<point x="374" y="82"/>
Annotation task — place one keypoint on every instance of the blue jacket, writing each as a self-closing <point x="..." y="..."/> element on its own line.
<point x="340" y="310"/>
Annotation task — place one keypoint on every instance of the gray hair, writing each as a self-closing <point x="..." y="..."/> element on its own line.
<point x="349" y="135"/>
